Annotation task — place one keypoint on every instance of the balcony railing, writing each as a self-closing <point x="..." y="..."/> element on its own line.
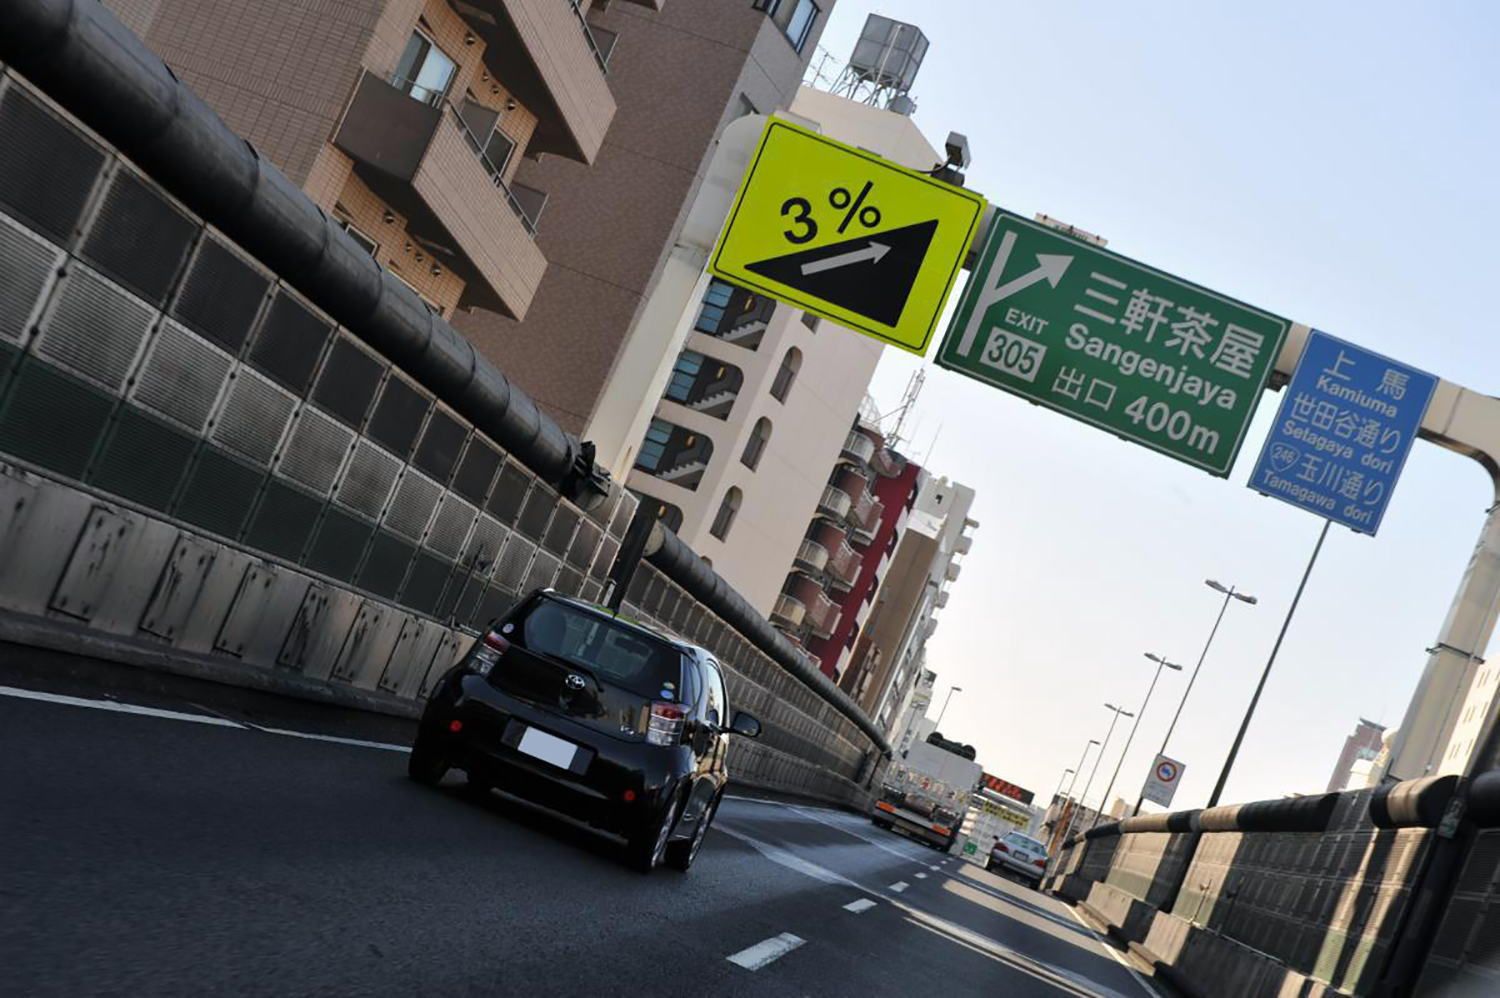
<point x="843" y="567"/>
<point x="858" y="447"/>
<point x="834" y="502"/>
<point x="788" y="611"/>
<point x="811" y="556"/>
<point x="822" y="616"/>
<point x="954" y="568"/>
<point x="965" y="542"/>
<point x="494" y="171"/>
<point x="588" y="33"/>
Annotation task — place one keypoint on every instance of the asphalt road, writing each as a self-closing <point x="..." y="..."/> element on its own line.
<point x="165" y="843"/>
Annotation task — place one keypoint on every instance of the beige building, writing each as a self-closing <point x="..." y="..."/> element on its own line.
<point x="759" y="400"/>
<point x="406" y="120"/>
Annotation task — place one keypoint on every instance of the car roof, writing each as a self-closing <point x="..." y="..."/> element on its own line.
<point x="604" y="612"/>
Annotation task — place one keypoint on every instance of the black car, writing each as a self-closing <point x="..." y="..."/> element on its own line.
<point x="602" y="718"/>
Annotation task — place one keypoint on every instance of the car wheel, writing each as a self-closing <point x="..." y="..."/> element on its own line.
<point x="648" y="846"/>
<point x="477" y="784"/>
<point x="680" y="855"/>
<point x="428" y="762"/>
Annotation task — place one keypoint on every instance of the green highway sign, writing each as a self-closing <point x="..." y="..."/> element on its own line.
<point x="1127" y="348"/>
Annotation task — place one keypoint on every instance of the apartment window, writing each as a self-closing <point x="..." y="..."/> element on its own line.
<point x="810" y="321"/>
<point x="424" y="71"/>
<point x="367" y="244"/>
<point x="755" y="447"/>
<point x="684" y="375"/>
<point x="800" y="27"/>
<point x="729" y="508"/>
<point x="786" y="374"/>
<point x="655" y="445"/>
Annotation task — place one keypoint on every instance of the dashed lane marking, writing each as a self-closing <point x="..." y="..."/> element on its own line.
<point x="766" y="951"/>
<point x="863" y="904"/>
<point x="921" y="876"/>
<point x="898" y="887"/>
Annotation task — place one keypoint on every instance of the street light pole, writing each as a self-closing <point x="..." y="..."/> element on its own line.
<point x="1093" y="772"/>
<point x="1161" y="663"/>
<point x="1229" y="593"/>
<point x="951" y="690"/>
<point x="1068" y="797"/>
<point x="1234" y="749"/>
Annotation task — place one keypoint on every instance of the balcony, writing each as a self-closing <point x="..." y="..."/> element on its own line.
<point x="834" y="503"/>
<point x="942" y="598"/>
<point x="811" y="557"/>
<point x="858" y="448"/>
<point x="822" y="616"/>
<point x="422" y="160"/>
<point x="965" y="542"/>
<point x="545" y="54"/>
<point x="787" y="612"/>
<point x="843" y="567"/>
<point x="953" y="570"/>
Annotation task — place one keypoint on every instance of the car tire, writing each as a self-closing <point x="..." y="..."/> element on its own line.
<point x="477" y="784"/>
<point x="680" y="855"/>
<point x="647" y="846"/>
<point x="428" y="762"/>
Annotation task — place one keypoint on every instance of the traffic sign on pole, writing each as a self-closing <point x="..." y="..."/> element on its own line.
<point x="1346" y="423"/>
<point x="847" y="235"/>
<point x="1161" y="785"/>
<point x="1122" y="346"/>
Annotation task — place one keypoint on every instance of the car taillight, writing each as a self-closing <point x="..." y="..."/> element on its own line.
<point x="487" y="652"/>
<point x="885" y="806"/>
<point x="665" y="726"/>
<point x="1040" y="864"/>
<point x="1001" y="847"/>
<point x="940" y="829"/>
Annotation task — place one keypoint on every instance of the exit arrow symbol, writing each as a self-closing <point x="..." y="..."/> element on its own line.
<point x="875" y="252"/>
<point x="1050" y="268"/>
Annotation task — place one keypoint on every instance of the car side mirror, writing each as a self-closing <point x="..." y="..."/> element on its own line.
<point x="744" y="724"/>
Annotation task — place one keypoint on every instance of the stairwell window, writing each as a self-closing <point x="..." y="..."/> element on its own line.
<point x="729" y="508"/>
<point x="655" y="445"/>
<point x="755" y="447"/>
<point x="684" y="376"/>
<point x="800" y="27"/>
<point x="786" y="374"/>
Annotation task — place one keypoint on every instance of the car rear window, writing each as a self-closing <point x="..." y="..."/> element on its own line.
<point x="1025" y="842"/>
<point x="613" y="652"/>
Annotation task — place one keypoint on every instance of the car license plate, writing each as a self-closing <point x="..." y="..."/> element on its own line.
<point x="548" y="748"/>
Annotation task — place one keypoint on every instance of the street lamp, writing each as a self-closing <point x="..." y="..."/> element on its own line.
<point x="1161" y="663"/>
<point x="1074" y="782"/>
<point x="1093" y="772"/>
<point x="951" y="690"/>
<point x="1229" y="593"/>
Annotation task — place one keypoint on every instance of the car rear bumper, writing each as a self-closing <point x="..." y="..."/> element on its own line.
<point x="1021" y="869"/>
<point x="491" y="726"/>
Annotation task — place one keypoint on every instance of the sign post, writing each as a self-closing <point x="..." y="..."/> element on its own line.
<point x="847" y="235"/>
<point x="1161" y="785"/>
<point x="1119" y="345"/>
<point x="1346" y="423"/>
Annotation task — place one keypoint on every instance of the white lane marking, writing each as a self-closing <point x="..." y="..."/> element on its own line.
<point x="118" y="708"/>
<point x="359" y="743"/>
<point x="764" y="952"/>
<point x="935" y="869"/>
<point x="784" y="857"/>
<point x="177" y="715"/>
<point x="1145" y="986"/>
<point x="863" y="904"/>
<point x="858" y="829"/>
<point x="898" y="887"/>
<point x="921" y="876"/>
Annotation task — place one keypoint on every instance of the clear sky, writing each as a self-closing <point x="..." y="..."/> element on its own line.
<point x="1333" y="163"/>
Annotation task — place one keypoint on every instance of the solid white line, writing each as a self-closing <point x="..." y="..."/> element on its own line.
<point x="898" y="886"/>
<point x="1145" y="986"/>
<point x="764" y="952"/>
<point x="921" y="876"/>
<point x="360" y="743"/>
<point x="863" y="904"/>
<point x="118" y="708"/>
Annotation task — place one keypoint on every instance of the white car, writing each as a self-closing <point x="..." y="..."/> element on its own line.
<point x="1020" y="854"/>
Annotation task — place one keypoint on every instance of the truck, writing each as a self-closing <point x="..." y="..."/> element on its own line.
<point x="926" y="791"/>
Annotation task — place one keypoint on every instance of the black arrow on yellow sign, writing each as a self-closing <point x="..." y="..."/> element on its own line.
<point x="871" y="275"/>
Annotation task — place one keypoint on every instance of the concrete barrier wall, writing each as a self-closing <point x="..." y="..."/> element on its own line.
<point x="200" y="464"/>
<point x="1266" y="906"/>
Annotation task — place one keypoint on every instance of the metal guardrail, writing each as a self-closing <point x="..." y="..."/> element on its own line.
<point x="588" y="35"/>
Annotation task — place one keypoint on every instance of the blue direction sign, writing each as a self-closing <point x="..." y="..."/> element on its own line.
<point x="1347" y="421"/>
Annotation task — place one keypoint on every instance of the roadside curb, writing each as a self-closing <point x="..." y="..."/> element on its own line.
<point x="75" y="639"/>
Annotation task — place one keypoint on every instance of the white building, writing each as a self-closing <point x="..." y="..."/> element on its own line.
<point x="759" y="399"/>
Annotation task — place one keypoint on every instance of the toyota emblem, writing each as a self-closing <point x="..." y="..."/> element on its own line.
<point x="574" y="681"/>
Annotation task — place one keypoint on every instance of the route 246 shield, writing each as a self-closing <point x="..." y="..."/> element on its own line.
<point x="847" y="235"/>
